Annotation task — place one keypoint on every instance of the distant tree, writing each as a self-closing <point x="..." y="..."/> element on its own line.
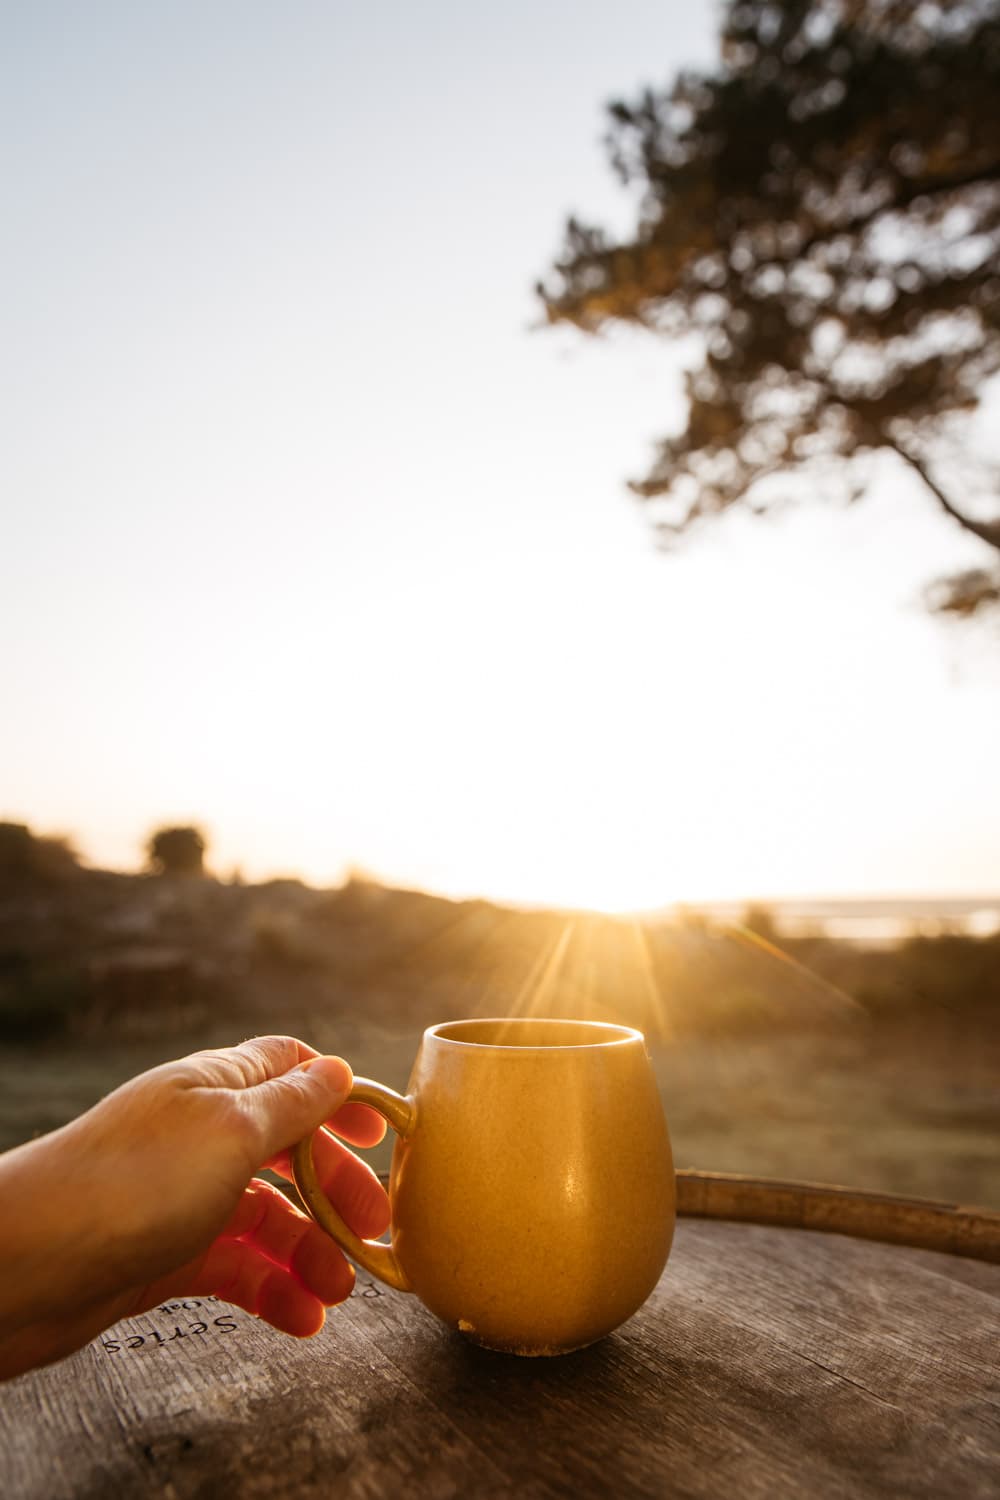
<point x="822" y="214"/>
<point x="177" y="851"/>
<point x="25" y="856"/>
<point x="760" y="920"/>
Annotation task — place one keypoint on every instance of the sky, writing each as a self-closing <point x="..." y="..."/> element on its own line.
<point x="312" y="536"/>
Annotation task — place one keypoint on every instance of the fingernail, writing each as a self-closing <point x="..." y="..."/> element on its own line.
<point x="334" y="1071"/>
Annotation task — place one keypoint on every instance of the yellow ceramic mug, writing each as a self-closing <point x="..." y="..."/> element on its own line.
<point x="532" y="1184"/>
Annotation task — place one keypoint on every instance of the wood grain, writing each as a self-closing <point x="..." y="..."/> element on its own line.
<point x="768" y="1363"/>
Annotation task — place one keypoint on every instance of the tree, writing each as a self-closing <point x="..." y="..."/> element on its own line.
<point x="28" y="857"/>
<point x="759" y="920"/>
<point x="177" y="851"/>
<point x="822" y="214"/>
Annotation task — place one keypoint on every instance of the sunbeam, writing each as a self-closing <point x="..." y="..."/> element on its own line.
<point x="544" y="975"/>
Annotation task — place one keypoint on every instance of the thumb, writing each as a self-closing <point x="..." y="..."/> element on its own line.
<point x="293" y="1105"/>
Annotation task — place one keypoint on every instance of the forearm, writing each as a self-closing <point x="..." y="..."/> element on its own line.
<point x="49" y="1246"/>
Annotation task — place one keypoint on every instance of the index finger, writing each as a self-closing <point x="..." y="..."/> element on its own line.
<point x="359" y="1124"/>
<point x="348" y="1182"/>
<point x="356" y="1123"/>
<point x="353" y="1122"/>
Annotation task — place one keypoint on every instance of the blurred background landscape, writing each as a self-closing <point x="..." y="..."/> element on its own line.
<point x="819" y="1058"/>
<point x="501" y="514"/>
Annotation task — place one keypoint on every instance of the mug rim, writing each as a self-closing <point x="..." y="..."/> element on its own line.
<point x="619" y="1035"/>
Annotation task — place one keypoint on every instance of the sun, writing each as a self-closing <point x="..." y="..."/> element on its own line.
<point x="611" y="892"/>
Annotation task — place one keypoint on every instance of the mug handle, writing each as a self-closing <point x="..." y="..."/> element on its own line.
<point x="373" y="1256"/>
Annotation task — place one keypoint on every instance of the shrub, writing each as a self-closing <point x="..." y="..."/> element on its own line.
<point x="177" y="851"/>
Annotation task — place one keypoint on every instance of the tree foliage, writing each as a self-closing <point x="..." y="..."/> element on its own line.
<point x="27" y="857"/>
<point x="822" y="213"/>
<point x="177" y="851"/>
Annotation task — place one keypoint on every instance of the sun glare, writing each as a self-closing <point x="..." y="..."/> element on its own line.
<point x="611" y="892"/>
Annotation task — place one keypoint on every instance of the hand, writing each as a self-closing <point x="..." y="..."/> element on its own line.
<point x="151" y="1195"/>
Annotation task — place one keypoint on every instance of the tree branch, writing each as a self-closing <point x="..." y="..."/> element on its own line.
<point x="986" y="531"/>
<point x="906" y="194"/>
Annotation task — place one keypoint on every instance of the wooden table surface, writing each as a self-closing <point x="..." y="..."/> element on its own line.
<point x="769" y="1362"/>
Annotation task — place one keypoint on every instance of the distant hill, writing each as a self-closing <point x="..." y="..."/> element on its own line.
<point x="92" y="953"/>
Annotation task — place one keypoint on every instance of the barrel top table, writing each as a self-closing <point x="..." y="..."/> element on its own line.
<point x="770" y="1361"/>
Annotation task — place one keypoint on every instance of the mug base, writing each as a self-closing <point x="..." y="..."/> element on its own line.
<point x="524" y="1351"/>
